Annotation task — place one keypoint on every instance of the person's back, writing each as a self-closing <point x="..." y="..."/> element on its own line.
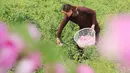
<point x="84" y="18"/>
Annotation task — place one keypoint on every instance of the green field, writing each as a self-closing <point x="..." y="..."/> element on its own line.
<point x="47" y="15"/>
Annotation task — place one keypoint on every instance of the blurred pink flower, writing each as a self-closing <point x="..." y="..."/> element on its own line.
<point x="8" y="57"/>
<point x="59" y="68"/>
<point x="122" y="28"/>
<point x="17" y="42"/>
<point x="10" y="47"/>
<point x="83" y="68"/>
<point x="54" y="68"/>
<point x="29" y="64"/>
<point x="116" y="41"/>
<point x="36" y="58"/>
<point x="3" y="32"/>
<point x="34" y="32"/>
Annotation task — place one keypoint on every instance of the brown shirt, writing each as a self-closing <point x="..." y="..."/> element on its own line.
<point x="85" y="18"/>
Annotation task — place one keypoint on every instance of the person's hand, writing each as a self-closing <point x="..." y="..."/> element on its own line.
<point x="93" y="26"/>
<point x="58" y="42"/>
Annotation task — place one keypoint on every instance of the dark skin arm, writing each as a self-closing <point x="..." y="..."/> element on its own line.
<point x="58" y="34"/>
<point x="62" y="25"/>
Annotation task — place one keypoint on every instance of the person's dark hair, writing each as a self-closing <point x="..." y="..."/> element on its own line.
<point x="66" y="7"/>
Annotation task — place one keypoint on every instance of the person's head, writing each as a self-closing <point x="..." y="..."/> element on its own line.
<point x="69" y="9"/>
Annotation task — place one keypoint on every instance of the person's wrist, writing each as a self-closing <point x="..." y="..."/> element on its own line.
<point x="57" y="38"/>
<point x="93" y="25"/>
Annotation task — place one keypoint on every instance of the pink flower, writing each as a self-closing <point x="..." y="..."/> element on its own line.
<point x="3" y="32"/>
<point x="10" y="46"/>
<point x="17" y="41"/>
<point x="122" y="24"/>
<point x="34" y="32"/>
<point x="59" y="68"/>
<point x="8" y="56"/>
<point x="14" y="41"/>
<point x="35" y="57"/>
<point x="116" y="39"/>
<point x="54" y="68"/>
<point x="29" y="64"/>
<point x="82" y="68"/>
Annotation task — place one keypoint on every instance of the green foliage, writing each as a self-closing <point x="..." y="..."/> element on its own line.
<point x="100" y="66"/>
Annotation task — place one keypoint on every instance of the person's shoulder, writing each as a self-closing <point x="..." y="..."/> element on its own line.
<point x="84" y="8"/>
